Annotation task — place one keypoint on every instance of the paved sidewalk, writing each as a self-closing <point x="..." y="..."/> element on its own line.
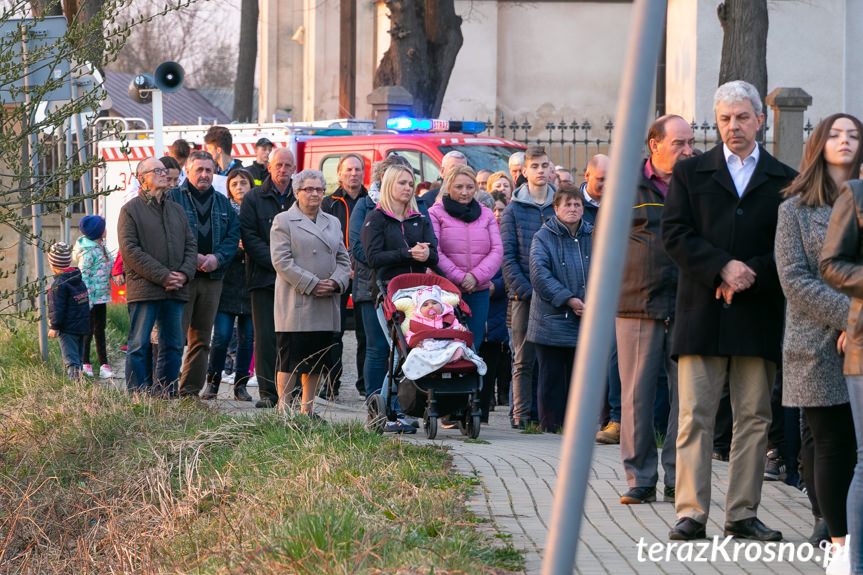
<point x="519" y="472"/>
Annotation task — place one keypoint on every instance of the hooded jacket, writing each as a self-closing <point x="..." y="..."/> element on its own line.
<point x="521" y="219"/>
<point x="95" y="264"/>
<point x="68" y="304"/>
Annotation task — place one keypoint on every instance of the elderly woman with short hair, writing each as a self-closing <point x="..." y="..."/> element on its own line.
<point x="312" y="269"/>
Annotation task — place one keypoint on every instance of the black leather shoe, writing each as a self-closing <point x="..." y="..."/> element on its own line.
<point x="265" y="403"/>
<point x="212" y="391"/>
<point x="240" y="393"/>
<point x="687" y="529"/>
<point x="819" y="533"/>
<point x="751" y="528"/>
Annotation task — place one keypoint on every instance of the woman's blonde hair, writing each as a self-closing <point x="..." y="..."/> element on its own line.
<point x="492" y="179"/>
<point x="455" y="171"/>
<point x="388" y="182"/>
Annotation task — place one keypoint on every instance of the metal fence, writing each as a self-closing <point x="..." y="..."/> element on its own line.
<point x="571" y="143"/>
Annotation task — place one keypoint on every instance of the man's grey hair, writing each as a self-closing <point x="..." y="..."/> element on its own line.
<point x="300" y="178"/>
<point x="517" y="159"/>
<point x="737" y="91"/>
<point x="454" y="154"/>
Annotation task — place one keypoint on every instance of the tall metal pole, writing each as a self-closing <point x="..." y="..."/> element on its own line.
<point x="70" y="185"/>
<point x="86" y="182"/>
<point x="158" y="137"/>
<point x="33" y="142"/>
<point x="603" y="288"/>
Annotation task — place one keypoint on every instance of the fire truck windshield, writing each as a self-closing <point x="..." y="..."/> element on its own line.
<point x="484" y="157"/>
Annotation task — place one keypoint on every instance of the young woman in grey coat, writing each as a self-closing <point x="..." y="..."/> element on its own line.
<point x="816" y="314"/>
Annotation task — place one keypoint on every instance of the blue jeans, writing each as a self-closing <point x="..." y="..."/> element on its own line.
<point x="855" y="492"/>
<point x="223" y="329"/>
<point x="478" y="303"/>
<point x="377" y="348"/>
<point x="167" y="315"/>
<point x="72" y="349"/>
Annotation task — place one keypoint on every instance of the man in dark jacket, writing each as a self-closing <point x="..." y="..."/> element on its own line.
<point x="351" y="170"/>
<point x="214" y="224"/>
<point x="258" y="168"/>
<point x="529" y="209"/>
<point x="719" y="226"/>
<point x="260" y="206"/>
<point x="645" y="318"/>
<point x="159" y="258"/>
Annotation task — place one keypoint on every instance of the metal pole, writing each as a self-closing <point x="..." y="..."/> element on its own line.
<point x="86" y="184"/>
<point x="603" y="288"/>
<point x="158" y="137"/>
<point x="64" y="154"/>
<point x="32" y="141"/>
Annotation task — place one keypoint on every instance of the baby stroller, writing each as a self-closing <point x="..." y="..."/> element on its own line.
<point x="452" y="390"/>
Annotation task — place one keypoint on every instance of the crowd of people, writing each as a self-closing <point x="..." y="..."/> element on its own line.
<point x="740" y="301"/>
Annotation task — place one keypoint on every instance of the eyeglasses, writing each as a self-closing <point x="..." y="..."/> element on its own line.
<point x="313" y="190"/>
<point x="159" y="171"/>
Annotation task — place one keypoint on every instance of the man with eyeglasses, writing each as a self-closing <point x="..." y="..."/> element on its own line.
<point x="217" y="231"/>
<point x="159" y="254"/>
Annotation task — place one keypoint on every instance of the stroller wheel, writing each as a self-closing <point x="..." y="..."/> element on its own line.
<point x="376" y="413"/>
<point x="473" y="425"/>
<point x="430" y="424"/>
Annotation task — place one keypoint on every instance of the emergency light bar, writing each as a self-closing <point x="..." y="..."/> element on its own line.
<point x="406" y="124"/>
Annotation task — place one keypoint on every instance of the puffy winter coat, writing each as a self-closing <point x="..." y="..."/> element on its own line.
<point x="559" y="264"/>
<point x="95" y="264"/>
<point x="463" y="247"/>
<point x="68" y="304"/>
<point x="521" y="219"/>
<point x="495" y="325"/>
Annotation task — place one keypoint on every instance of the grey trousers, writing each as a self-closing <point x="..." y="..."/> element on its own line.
<point x="643" y="347"/>
<point x="199" y="314"/>
<point x="523" y="356"/>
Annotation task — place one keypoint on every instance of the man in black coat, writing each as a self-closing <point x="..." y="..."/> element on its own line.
<point x="718" y="225"/>
<point x="260" y="206"/>
<point x="351" y="172"/>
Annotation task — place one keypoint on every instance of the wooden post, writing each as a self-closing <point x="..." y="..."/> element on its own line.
<point x="347" y="58"/>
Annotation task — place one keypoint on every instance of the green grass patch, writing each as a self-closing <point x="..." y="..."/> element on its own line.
<point x="95" y="480"/>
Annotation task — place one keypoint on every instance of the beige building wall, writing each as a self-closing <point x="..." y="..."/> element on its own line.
<point x="546" y="61"/>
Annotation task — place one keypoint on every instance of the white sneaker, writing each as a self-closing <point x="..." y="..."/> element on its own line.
<point x="87" y="369"/>
<point x="253" y="382"/>
<point x="838" y="560"/>
<point x="105" y="372"/>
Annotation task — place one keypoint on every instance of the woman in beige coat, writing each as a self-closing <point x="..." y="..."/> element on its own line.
<point x="313" y="269"/>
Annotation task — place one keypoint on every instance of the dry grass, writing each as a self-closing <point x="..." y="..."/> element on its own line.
<point x="95" y="481"/>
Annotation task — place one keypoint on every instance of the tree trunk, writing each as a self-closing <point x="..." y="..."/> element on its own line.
<point x="744" y="43"/>
<point x="244" y="86"/>
<point x="426" y="37"/>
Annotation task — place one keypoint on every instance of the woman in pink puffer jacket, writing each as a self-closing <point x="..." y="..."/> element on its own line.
<point x="469" y="247"/>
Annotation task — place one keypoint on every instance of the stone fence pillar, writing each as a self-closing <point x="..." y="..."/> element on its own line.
<point x="788" y="106"/>
<point x="388" y="102"/>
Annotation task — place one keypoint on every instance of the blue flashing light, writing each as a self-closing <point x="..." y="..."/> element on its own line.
<point x="406" y="124"/>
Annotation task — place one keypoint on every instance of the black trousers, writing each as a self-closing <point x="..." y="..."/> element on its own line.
<point x="807" y="463"/>
<point x="498" y="358"/>
<point x="555" y="371"/>
<point x="98" y="321"/>
<point x="337" y="349"/>
<point x="835" y="457"/>
<point x="263" y="320"/>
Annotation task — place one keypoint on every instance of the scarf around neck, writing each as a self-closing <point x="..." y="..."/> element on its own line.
<point x="465" y="212"/>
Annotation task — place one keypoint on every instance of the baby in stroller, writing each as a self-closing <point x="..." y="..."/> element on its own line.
<point x="430" y="354"/>
<point x="432" y="313"/>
